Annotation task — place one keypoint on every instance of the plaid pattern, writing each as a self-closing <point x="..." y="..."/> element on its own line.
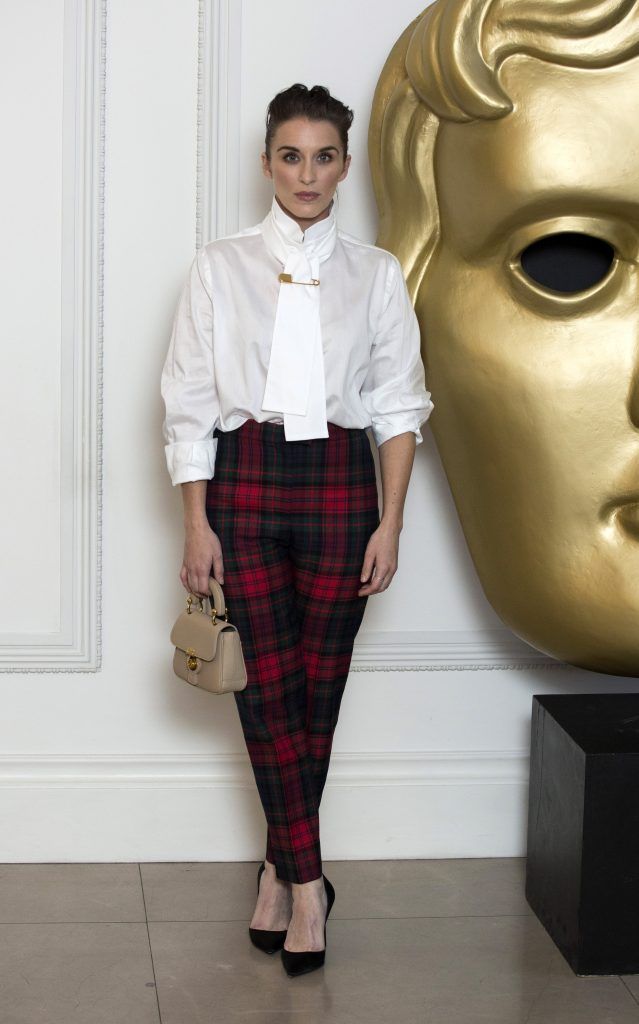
<point x="294" y="519"/>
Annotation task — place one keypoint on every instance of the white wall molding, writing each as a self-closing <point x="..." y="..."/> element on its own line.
<point x="441" y="650"/>
<point x="218" y="118"/>
<point x="376" y="806"/>
<point x="212" y="771"/>
<point x="76" y="645"/>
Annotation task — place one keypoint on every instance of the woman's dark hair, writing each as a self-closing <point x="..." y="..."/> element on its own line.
<point x="315" y="103"/>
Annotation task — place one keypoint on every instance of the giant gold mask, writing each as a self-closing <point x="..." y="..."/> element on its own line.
<point x="504" y="136"/>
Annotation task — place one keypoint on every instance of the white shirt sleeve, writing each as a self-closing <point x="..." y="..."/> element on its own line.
<point x="188" y="381"/>
<point x="394" y="389"/>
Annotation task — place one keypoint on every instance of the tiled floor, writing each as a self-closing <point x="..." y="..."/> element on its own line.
<point x="408" y="942"/>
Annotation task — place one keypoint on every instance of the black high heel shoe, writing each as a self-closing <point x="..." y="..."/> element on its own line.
<point x="309" y="960"/>
<point x="267" y="941"/>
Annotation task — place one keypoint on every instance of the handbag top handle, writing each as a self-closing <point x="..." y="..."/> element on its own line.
<point x="217" y="597"/>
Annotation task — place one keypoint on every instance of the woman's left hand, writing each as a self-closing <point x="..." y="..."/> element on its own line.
<point x="380" y="559"/>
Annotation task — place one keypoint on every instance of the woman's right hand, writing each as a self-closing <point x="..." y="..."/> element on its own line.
<point x="202" y="550"/>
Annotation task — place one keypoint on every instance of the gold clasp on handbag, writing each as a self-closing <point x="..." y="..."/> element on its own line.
<point x="214" y="614"/>
<point x="288" y="279"/>
<point x="191" y="661"/>
<point x="189" y="602"/>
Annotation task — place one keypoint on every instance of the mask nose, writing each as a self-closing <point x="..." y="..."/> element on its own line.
<point x="632" y="400"/>
<point x="633" y="395"/>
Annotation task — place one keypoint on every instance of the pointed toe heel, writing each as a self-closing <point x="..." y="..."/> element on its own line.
<point x="262" y="938"/>
<point x="309" y="960"/>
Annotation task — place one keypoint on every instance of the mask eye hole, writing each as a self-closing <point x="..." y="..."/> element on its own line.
<point x="568" y="261"/>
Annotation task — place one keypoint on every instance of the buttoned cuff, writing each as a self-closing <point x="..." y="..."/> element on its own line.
<point x="191" y="460"/>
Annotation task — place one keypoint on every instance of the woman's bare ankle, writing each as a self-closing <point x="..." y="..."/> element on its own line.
<point x="271" y="874"/>
<point x="305" y="890"/>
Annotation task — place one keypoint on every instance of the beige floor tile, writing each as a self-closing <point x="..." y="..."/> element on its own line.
<point x="429" y="888"/>
<point x="411" y="888"/>
<point x="410" y="942"/>
<point x="200" y="891"/>
<point x="632" y="982"/>
<point x="566" y="999"/>
<point x="70" y="892"/>
<point x="76" y="974"/>
<point x="502" y="970"/>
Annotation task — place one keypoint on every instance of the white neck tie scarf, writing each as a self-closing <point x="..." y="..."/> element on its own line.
<point x="295" y="386"/>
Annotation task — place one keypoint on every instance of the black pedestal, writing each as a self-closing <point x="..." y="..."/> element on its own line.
<point x="582" y="872"/>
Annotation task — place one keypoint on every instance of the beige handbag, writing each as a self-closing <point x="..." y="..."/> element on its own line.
<point x="208" y="650"/>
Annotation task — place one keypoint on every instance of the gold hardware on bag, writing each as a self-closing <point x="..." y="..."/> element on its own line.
<point x="214" y="614"/>
<point x="191" y="661"/>
<point x="288" y="279"/>
<point x="189" y="602"/>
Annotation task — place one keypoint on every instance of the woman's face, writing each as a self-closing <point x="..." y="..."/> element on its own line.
<point x="306" y="164"/>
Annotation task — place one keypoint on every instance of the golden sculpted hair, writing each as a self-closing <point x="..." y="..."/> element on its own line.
<point x="445" y="66"/>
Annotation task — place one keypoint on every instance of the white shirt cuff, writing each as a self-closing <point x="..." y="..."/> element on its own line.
<point x="383" y="430"/>
<point x="191" y="460"/>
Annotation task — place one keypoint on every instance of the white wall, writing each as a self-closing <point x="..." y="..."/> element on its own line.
<point x="109" y="756"/>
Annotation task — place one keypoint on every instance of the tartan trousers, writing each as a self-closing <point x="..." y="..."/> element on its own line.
<point x="293" y="519"/>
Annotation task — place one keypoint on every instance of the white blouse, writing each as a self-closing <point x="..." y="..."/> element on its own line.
<point x="215" y="370"/>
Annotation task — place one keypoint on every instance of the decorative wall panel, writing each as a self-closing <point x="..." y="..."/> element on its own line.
<point x="51" y="194"/>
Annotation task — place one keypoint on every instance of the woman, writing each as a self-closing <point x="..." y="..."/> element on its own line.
<point x="290" y="339"/>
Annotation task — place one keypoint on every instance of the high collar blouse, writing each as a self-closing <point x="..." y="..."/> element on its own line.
<point x="214" y="374"/>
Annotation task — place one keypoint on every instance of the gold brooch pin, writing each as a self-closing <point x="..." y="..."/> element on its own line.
<point x="288" y="279"/>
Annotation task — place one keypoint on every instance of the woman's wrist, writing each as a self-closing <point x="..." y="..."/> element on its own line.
<point x="196" y="522"/>
<point x="194" y="497"/>
<point x="392" y="520"/>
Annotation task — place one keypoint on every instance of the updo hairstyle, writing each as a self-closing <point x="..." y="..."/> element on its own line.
<point x="315" y="103"/>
